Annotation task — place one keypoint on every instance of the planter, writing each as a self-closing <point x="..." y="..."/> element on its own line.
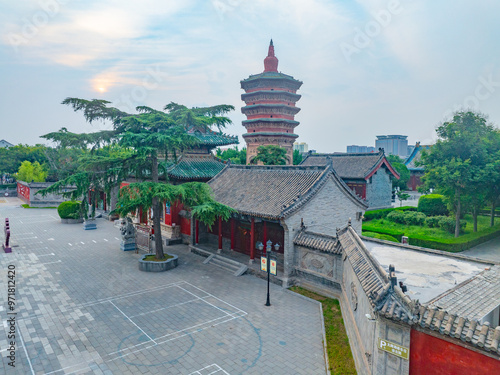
<point x="72" y="221"/>
<point x="152" y="266"/>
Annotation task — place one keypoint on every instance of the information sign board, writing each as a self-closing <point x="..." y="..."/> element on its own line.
<point x="393" y="348"/>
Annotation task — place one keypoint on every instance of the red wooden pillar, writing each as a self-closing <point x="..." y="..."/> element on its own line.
<point x="232" y="233"/>
<point x="220" y="233"/>
<point x="252" y="240"/>
<point x="265" y="237"/>
<point x="197" y="232"/>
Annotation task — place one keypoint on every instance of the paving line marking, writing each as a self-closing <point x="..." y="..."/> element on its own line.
<point x="70" y="244"/>
<point x="26" y="352"/>
<point x="83" y="243"/>
<point x="131" y="321"/>
<point x="94" y="241"/>
<point x="164" y="308"/>
<point x="211" y="304"/>
<point x="105" y="239"/>
<point x="217" y="369"/>
<point x="227" y="315"/>
<point x="103" y="300"/>
<point x="45" y="255"/>
<point x="211" y="295"/>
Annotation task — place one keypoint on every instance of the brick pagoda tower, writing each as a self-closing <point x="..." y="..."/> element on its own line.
<point x="270" y="99"/>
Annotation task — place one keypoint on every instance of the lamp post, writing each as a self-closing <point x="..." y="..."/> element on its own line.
<point x="260" y="246"/>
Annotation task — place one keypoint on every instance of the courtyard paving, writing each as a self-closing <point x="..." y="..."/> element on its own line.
<point x="83" y="307"/>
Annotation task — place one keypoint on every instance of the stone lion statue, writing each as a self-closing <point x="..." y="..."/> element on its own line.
<point x="127" y="229"/>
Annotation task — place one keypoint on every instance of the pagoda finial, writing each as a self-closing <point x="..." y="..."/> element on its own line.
<point x="271" y="62"/>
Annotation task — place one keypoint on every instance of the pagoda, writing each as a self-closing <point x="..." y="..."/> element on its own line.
<point x="270" y="99"/>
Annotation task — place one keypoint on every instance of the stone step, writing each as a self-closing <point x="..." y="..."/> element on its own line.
<point x="220" y="262"/>
<point x="236" y="268"/>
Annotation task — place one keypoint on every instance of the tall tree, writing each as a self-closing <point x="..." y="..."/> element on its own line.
<point x="455" y="163"/>
<point x="148" y="134"/>
<point x="297" y="157"/>
<point x="270" y="155"/>
<point x="404" y="173"/>
<point x="234" y="154"/>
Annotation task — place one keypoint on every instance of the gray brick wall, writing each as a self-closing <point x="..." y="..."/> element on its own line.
<point x="328" y="210"/>
<point x="379" y="191"/>
<point x="319" y="267"/>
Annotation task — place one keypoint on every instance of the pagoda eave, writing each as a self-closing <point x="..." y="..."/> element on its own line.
<point x="294" y="97"/>
<point x="271" y="134"/>
<point x="270" y="120"/>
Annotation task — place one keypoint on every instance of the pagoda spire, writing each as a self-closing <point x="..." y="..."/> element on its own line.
<point x="271" y="61"/>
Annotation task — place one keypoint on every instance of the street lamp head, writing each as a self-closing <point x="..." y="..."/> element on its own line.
<point x="268" y="245"/>
<point x="276" y="246"/>
<point x="260" y="246"/>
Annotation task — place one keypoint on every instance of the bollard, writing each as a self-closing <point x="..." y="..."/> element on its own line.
<point x="6" y="247"/>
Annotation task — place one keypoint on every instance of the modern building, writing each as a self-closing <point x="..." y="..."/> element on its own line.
<point x="393" y="144"/>
<point x="270" y="99"/>
<point x="301" y="147"/>
<point x="368" y="175"/>
<point x="351" y="149"/>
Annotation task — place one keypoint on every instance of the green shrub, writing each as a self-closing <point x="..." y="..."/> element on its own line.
<point x="70" y="210"/>
<point x="397" y="217"/>
<point x="382" y="213"/>
<point x="448" y="224"/>
<point x="414" y="218"/>
<point x="433" y="221"/>
<point x="433" y="205"/>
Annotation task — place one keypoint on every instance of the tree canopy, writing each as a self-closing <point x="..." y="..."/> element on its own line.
<point x="142" y="138"/>
<point x="234" y="154"/>
<point x="464" y="162"/>
<point x="270" y="155"/>
<point x="404" y="173"/>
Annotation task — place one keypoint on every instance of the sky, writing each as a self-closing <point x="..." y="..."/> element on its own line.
<point x="368" y="67"/>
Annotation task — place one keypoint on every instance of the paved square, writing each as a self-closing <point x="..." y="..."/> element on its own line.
<point x="83" y="307"/>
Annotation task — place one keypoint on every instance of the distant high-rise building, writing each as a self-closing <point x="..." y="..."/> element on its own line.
<point x="355" y="149"/>
<point x="393" y="144"/>
<point x="302" y="147"/>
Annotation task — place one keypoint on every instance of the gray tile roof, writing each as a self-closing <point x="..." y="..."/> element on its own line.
<point x="317" y="241"/>
<point x="391" y="303"/>
<point x="273" y="191"/>
<point x="352" y="165"/>
<point x="484" y="289"/>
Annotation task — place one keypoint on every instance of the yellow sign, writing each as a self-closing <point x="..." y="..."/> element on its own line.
<point x="263" y="264"/>
<point x="273" y="267"/>
<point x="393" y="348"/>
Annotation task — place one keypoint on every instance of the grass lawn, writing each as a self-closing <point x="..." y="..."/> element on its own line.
<point x="483" y="223"/>
<point x="337" y="342"/>
<point x="25" y="205"/>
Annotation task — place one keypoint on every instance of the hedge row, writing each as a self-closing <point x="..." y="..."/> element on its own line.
<point x="380" y="236"/>
<point x="452" y="245"/>
<point x="391" y="232"/>
<point x="381" y="214"/>
<point x="8" y="186"/>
